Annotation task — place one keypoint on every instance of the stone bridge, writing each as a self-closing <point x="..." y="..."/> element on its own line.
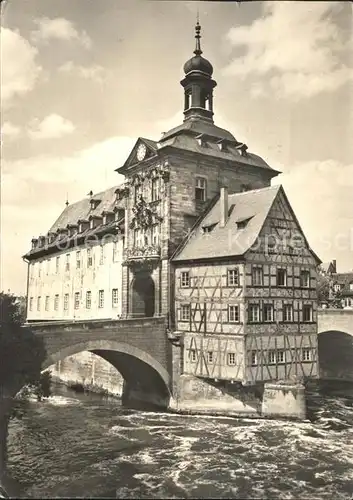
<point x="335" y="328"/>
<point x="138" y="348"/>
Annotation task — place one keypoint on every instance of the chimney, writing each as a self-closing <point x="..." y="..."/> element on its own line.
<point x="223" y="200"/>
<point x="334" y="265"/>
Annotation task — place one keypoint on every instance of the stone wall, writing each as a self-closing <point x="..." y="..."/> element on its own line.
<point x="205" y="396"/>
<point x="277" y="400"/>
<point x="335" y="320"/>
<point x="87" y="368"/>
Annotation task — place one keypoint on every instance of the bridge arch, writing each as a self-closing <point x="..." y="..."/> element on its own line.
<point x="146" y="381"/>
<point x="335" y="349"/>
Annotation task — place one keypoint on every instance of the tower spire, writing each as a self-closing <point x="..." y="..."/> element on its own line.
<point x="198" y="50"/>
<point x="198" y="84"/>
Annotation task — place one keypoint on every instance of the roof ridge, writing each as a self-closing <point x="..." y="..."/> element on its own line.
<point x="94" y="195"/>
<point x="258" y="190"/>
<point x="105" y="190"/>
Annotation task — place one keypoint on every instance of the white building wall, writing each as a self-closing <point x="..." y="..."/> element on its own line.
<point x="46" y="281"/>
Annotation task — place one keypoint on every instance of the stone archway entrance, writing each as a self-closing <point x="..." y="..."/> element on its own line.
<point x="142" y="296"/>
<point x="335" y="349"/>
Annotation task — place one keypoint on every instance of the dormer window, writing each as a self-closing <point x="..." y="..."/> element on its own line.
<point x="94" y="221"/>
<point x="62" y="233"/>
<point x="242" y="148"/>
<point x="72" y="228"/>
<point x="41" y="241"/>
<point x="82" y="225"/>
<point x="209" y="228"/>
<point x="34" y="243"/>
<point x="108" y="217"/>
<point x="94" y="203"/>
<point x="222" y="145"/>
<point x="243" y="222"/>
<point x="51" y="237"/>
<point x="201" y="140"/>
<point x="121" y="192"/>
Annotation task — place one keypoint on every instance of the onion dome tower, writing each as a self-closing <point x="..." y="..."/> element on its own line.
<point x="198" y="84"/>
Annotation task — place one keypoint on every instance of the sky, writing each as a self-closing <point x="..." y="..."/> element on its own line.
<point x="82" y="80"/>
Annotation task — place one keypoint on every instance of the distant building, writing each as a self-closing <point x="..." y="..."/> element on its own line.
<point x="328" y="268"/>
<point x="341" y="287"/>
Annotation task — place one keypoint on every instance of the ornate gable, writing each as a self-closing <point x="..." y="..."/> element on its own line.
<point x="143" y="215"/>
<point x="142" y="151"/>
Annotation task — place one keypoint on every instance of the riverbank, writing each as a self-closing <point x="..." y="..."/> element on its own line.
<point x="92" y="372"/>
<point x="85" y="387"/>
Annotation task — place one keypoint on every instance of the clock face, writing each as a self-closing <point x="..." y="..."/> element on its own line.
<point x="141" y="152"/>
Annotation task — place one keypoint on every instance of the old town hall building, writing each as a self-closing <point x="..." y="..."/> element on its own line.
<point x="197" y="234"/>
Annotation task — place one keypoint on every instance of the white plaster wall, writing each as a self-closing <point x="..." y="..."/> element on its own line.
<point x="100" y="276"/>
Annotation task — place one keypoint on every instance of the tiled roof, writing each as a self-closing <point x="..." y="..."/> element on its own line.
<point x="229" y="240"/>
<point x="67" y="241"/>
<point x="82" y="209"/>
<point x="343" y="277"/>
<point x="231" y="153"/>
<point x="345" y="280"/>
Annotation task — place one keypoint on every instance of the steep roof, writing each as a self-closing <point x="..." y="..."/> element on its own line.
<point x="253" y="206"/>
<point x="325" y="266"/>
<point x="82" y="209"/>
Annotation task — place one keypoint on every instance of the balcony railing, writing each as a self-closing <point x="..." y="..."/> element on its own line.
<point x="148" y="252"/>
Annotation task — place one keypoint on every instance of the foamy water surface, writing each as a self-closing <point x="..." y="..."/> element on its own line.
<point x="77" y="446"/>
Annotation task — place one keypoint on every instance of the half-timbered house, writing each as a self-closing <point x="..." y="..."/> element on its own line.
<point x="245" y="291"/>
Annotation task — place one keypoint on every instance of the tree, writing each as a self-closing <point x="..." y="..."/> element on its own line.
<point x="21" y="356"/>
<point x="21" y="352"/>
<point x="325" y="291"/>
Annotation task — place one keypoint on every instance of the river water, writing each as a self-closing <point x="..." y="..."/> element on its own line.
<point x="88" y="446"/>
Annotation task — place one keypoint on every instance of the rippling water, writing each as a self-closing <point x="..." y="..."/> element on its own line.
<point x="84" y="446"/>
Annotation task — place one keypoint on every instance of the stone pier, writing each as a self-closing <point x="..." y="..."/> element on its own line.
<point x="283" y="399"/>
